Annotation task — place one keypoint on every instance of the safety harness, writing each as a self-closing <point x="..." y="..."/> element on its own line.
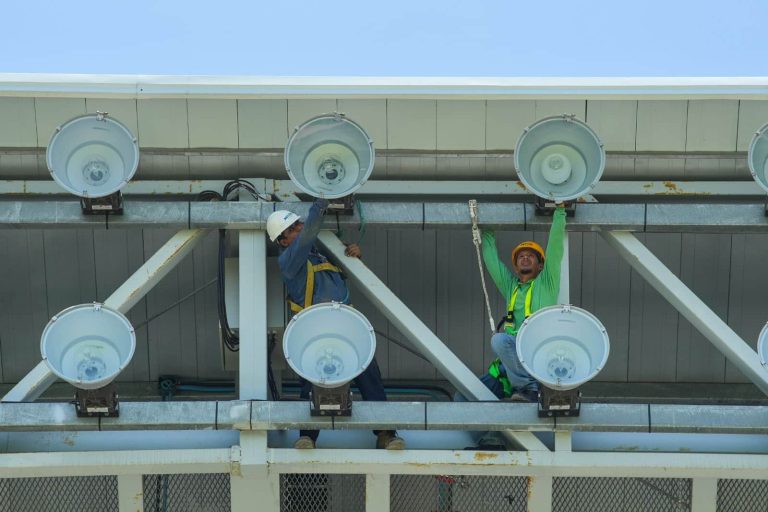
<point x="310" y="289"/>
<point x="509" y="320"/>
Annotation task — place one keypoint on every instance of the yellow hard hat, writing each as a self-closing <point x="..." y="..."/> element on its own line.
<point x="530" y="245"/>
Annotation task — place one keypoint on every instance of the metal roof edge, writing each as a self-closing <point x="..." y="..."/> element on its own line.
<point x="176" y="86"/>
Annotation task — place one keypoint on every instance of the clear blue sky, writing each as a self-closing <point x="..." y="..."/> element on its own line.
<point x="387" y="38"/>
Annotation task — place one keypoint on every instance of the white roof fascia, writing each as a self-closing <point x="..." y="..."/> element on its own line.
<point x="530" y="88"/>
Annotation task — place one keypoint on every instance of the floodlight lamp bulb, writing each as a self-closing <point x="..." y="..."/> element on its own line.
<point x="95" y="172"/>
<point x="329" y="365"/>
<point x="331" y="170"/>
<point x="561" y="366"/>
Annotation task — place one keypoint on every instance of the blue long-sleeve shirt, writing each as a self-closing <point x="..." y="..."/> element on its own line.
<point x="329" y="286"/>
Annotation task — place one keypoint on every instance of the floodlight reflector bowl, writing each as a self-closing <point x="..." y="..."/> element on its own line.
<point x="92" y="155"/>
<point x="559" y="158"/>
<point x="562" y="347"/>
<point x="88" y="345"/>
<point x="762" y="345"/>
<point x="757" y="157"/>
<point x="329" y="344"/>
<point x="329" y="156"/>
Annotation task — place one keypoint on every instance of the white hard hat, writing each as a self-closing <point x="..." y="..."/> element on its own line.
<point x="279" y="221"/>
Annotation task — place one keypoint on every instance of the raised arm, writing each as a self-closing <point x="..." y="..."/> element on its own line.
<point x="294" y="257"/>
<point x="550" y="274"/>
<point x="500" y="273"/>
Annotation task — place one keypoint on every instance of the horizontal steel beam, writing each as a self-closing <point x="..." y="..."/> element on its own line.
<point x="680" y="218"/>
<point x="510" y="463"/>
<point x="258" y="415"/>
<point x="606" y="189"/>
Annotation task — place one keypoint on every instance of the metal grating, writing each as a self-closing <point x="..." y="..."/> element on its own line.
<point x="444" y="493"/>
<point x="59" y="494"/>
<point x="317" y="492"/>
<point x="574" y="494"/>
<point x="205" y="492"/>
<point x="741" y="495"/>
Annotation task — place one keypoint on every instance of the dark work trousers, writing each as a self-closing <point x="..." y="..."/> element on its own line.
<point x="369" y="383"/>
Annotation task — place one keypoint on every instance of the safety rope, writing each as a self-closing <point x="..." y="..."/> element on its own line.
<point x="477" y="240"/>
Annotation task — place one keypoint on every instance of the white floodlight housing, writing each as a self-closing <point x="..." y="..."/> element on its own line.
<point x="562" y="347"/>
<point x="559" y="158"/>
<point x="329" y="156"/>
<point x="329" y="344"/>
<point x="93" y="156"/>
<point x="757" y="158"/>
<point x="88" y="345"/>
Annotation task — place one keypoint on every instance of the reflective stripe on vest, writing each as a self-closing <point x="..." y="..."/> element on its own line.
<point x="510" y="320"/>
<point x="310" y="289"/>
<point x="495" y="372"/>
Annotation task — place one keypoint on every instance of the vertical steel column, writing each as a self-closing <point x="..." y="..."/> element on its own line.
<point x="130" y="493"/>
<point x="123" y="299"/>
<point x="736" y="350"/>
<point x="539" y="494"/>
<point x="418" y="334"/>
<point x="377" y="493"/>
<point x="251" y="484"/>
<point x="253" y="315"/>
<point x="704" y="495"/>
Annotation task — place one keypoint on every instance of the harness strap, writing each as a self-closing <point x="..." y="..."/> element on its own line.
<point x="310" y="289"/>
<point x="527" y="311"/>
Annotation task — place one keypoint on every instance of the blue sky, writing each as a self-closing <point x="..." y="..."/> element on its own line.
<point x="392" y="38"/>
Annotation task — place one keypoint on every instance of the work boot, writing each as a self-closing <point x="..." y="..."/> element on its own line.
<point x="525" y="395"/>
<point x="304" y="443"/>
<point x="389" y="440"/>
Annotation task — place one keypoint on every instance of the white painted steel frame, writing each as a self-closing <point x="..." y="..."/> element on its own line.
<point x="382" y="462"/>
<point x="242" y="87"/>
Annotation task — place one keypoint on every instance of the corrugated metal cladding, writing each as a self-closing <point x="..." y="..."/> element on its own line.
<point x="434" y="272"/>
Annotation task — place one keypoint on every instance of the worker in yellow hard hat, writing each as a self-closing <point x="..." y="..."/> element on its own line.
<point x="533" y="284"/>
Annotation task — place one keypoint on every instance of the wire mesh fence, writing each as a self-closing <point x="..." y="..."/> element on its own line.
<point x="318" y="492"/>
<point x="206" y="492"/>
<point x="446" y="493"/>
<point x="575" y="494"/>
<point x="59" y="494"/>
<point x="741" y="495"/>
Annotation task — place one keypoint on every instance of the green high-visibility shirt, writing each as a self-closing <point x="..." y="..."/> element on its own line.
<point x="546" y="285"/>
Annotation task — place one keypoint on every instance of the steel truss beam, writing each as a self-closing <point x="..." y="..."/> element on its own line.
<point x="706" y="321"/>
<point x="246" y="415"/>
<point x="638" y="217"/>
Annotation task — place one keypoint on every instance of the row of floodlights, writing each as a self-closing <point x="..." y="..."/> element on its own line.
<point x="557" y="158"/>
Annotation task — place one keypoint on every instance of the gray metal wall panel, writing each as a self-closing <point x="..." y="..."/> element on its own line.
<point x="747" y="311"/>
<point x="652" y="321"/>
<point x="117" y="255"/>
<point x="411" y="275"/>
<point x="23" y="306"/>
<point x="459" y="298"/>
<point x="204" y="259"/>
<point x="705" y="261"/>
<point x="605" y="287"/>
<point x="374" y="248"/>
<point x="172" y="336"/>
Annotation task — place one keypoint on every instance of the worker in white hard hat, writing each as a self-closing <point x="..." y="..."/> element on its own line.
<point x="312" y="279"/>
